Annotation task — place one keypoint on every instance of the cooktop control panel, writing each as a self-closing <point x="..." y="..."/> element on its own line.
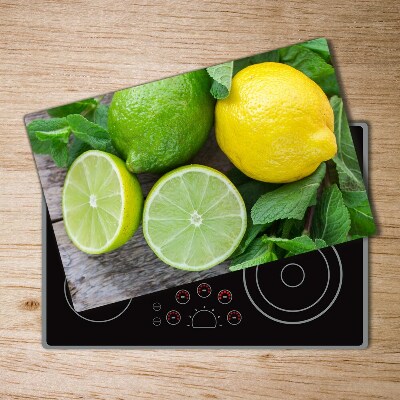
<point x="206" y="307"/>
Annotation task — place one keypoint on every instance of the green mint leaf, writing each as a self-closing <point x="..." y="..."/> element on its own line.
<point x="252" y="190"/>
<point x="319" y="46"/>
<point x="288" y="201"/>
<point x="320" y="243"/>
<point x="238" y="65"/>
<point x="219" y="91"/>
<point x="43" y="126"/>
<point x="257" y="253"/>
<point x="61" y="134"/>
<point x="251" y="233"/>
<point x="362" y="223"/>
<point x="59" y="152"/>
<point x="353" y="199"/>
<point x="297" y="245"/>
<point x="77" y="148"/>
<point x="269" y="56"/>
<point x="222" y="75"/>
<point x="101" y="116"/>
<point x="92" y="134"/>
<point x="350" y="178"/>
<point x="331" y="220"/>
<point x="73" y="108"/>
<point x="312" y="65"/>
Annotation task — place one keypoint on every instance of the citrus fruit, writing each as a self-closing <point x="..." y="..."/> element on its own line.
<point x="194" y="218"/>
<point x="276" y="125"/>
<point x="102" y="202"/>
<point x="160" y="125"/>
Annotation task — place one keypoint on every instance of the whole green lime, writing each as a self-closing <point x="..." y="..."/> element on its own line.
<point x="160" y="125"/>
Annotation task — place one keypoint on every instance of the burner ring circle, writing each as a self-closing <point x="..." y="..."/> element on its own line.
<point x="307" y="319"/>
<point x="302" y="272"/>
<point x="299" y="309"/>
<point x="88" y="319"/>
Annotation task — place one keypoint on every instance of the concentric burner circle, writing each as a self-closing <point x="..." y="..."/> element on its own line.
<point x="296" y="292"/>
<point x="99" y="315"/>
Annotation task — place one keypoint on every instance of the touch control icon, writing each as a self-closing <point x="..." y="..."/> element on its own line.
<point x="224" y="296"/>
<point x="204" y="290"/>
<point x="173" y="317"/>
<point x="182" y="296"/>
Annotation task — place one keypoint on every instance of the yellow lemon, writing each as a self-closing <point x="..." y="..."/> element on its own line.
<point x="276" y="125"/>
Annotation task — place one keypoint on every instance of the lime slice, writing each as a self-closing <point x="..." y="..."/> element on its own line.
<point x="102" y="202"/>
<point x="194" y="218"/>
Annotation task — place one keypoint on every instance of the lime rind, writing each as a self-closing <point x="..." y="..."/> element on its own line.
<point x="172" y="236"/>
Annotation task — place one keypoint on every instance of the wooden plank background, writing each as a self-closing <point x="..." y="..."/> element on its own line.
<point x="53" y="52"/>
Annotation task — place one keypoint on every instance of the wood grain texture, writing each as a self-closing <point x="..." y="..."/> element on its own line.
<point x="53" y="52"/>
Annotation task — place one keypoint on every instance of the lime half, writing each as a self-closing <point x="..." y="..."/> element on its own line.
<point x="194" y="218"/>
<point x="102" y="202"/>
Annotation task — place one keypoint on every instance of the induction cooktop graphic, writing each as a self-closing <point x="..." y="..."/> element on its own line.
<point x="316" y="299"/>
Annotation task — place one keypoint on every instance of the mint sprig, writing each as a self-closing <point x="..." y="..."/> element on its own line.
<point x="297" y="245"/>
<point x="288" y="201"/>
<point x="68" y="137"/>
<point x="94" y="135"/>
<point x="350" y="178"/>
<point x="83" y="106"/>
<point x="331" y="221"/>
<point x="222" y="76"/>
<point x="258" y="253"/>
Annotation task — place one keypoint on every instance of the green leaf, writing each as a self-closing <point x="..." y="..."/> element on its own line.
<point x="59" y="152"/>
<point x="77" y="148"/>
<point x="350" y="177"/>
<point x="252" y="190"/>
<point x="61" y="134"/>
<point x="269" y="56"/>
<point x="90" y="133"/>
<point x="251" y="233"/>
<point x="353" y="199"/>
<point x="312" y="65"/>
<point x="257" y="253"/>
<point x="44" y="126"/>
<point x="319" y="46"/>
<point x="362" y="223"/>
<point x="222" y="75"/>
<point x="320" y="243"/>
<point x="288" y="201"/>
<point x="297" y="245"/>
<point x="238" y="65"/>
<point x="73" y="108"/>
<point x="331" y="220"/>
<point x="101" y="116"/>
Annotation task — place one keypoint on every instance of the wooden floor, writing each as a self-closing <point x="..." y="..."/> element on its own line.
<point x="54" y="52"/>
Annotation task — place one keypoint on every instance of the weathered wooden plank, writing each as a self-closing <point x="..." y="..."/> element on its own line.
<point x="132" y="270"/>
